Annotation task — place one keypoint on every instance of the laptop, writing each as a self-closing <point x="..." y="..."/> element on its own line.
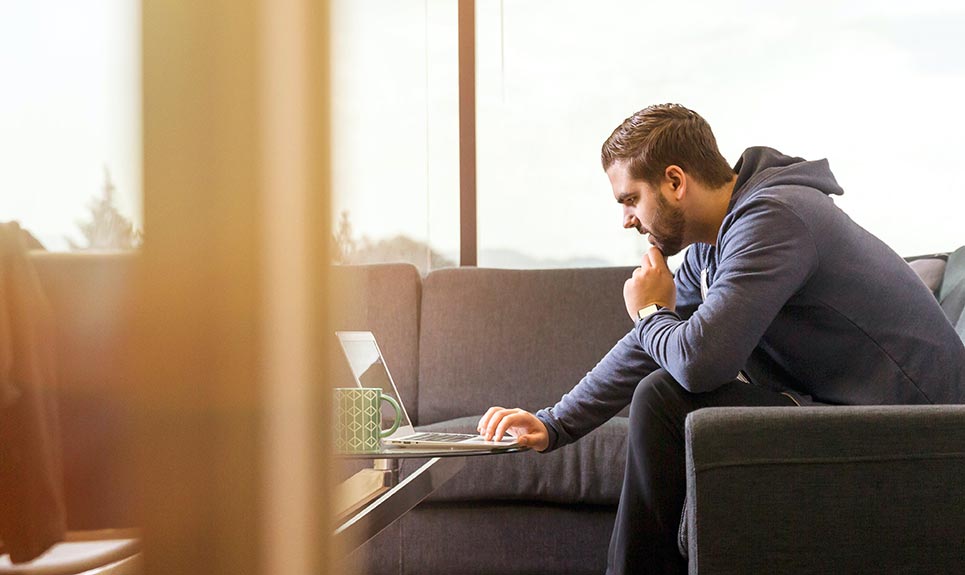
<point x="369" y="370"/>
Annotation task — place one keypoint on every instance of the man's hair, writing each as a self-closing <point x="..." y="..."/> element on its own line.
<point x="664" y="135"/>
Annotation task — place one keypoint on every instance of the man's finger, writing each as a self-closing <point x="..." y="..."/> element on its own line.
<point x="484" y="420"/>
<point x="505" y="424"/>
<point x="655" y="257"/>
<point x="494" y="421"/>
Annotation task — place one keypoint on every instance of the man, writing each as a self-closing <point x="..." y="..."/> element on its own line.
<point x="781" y="300"/>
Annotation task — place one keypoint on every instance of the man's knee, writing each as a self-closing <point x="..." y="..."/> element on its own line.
<point x="656" y="388"/>
<point x="659" y="399"/>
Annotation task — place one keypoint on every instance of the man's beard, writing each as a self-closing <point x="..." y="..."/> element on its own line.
<point x="668" y="227"/>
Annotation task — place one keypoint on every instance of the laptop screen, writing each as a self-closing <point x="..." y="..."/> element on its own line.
<point x="368" y="367"/>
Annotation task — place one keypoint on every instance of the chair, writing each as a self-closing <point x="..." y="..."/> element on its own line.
<point x="100" y="552"/>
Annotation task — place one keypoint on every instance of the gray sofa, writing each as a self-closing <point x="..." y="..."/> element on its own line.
<point x="460" y="341"/>
<point x="802" y="490"/>
<point x="832" y="489"/>
<point x="813" y="490"/>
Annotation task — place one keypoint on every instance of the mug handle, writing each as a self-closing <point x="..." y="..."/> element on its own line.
<point x="398" y="417"/>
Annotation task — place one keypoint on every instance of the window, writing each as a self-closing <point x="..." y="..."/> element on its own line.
<point x="874" y="87"/>
<point x="70" y="119"/>
<point x="395" y="132"/>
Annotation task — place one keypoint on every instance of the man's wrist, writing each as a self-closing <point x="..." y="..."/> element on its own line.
<point x="649" y="309"/>
<point x="551" y="432"/>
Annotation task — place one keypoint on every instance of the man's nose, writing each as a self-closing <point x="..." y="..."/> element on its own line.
<point x="629" y="220"/>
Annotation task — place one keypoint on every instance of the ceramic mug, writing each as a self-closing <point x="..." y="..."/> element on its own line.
<point x="358" y="419"/>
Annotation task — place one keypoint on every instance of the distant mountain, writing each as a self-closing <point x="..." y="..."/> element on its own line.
<point x="512" y="259"/>
<point x="349" y="250"/>
<point x="396" y="249"/>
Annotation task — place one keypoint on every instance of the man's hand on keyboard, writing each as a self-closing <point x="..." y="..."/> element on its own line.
<point x="521" y="424"/>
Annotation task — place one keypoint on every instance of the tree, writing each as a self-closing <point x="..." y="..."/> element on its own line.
<point x="347" y="250"/>
<point x="344" y="244"/>
<point x="107" y="228"/>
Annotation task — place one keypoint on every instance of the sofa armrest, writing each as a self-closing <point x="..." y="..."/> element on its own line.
<point x="826" y="489"/>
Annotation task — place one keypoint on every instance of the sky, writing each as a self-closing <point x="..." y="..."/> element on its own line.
<point x="874" y="86"/>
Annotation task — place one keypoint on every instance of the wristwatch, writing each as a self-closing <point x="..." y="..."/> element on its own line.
<point x="646" y="312"/>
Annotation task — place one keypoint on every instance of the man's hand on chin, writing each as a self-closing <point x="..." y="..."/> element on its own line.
<point x="651" y="283"/>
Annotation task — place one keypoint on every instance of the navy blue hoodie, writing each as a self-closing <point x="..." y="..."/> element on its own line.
<point x="798" y="297"/>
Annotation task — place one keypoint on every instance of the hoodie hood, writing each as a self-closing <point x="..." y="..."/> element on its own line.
<point x="763" y="167"/>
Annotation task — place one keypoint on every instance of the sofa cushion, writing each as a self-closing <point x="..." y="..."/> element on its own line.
<point x="516" y="338"/>
<point x="383" y="299"/>
<point x="505" y="539"/>
<point x="826" y="488"/>
<point x="589" y="471"/>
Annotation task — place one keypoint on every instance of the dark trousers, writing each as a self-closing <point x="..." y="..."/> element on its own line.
<point x="644" y="536"/>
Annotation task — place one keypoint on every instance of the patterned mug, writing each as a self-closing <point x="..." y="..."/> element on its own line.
<point x="358" y="419"/>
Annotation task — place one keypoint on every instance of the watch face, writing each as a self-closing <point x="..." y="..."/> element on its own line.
<point x="649" y="310"/>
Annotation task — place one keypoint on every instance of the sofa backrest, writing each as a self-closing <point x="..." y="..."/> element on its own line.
<point x="515" y="338"/>
<point x="383" y="299"/>
<point x="944" y="274"/>
<point x="90" y="295"/>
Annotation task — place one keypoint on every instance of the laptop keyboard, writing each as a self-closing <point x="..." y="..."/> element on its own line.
<point x="440" y="437"/>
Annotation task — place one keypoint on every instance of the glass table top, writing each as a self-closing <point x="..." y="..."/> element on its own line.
<point x="422" y="452"/>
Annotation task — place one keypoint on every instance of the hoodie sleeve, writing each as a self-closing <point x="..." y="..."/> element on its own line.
<point x="600" y="395"/>
<point x="609" y="386"/>
<point x="766" y="256"/>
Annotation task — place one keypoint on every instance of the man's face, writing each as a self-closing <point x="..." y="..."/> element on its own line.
<point x="646" y="209"/>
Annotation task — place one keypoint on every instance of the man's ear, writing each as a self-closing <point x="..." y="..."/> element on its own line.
<point x="677" y="180"/>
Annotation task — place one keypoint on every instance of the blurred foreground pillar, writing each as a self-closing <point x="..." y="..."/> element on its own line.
<point x="228" y="346"/>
